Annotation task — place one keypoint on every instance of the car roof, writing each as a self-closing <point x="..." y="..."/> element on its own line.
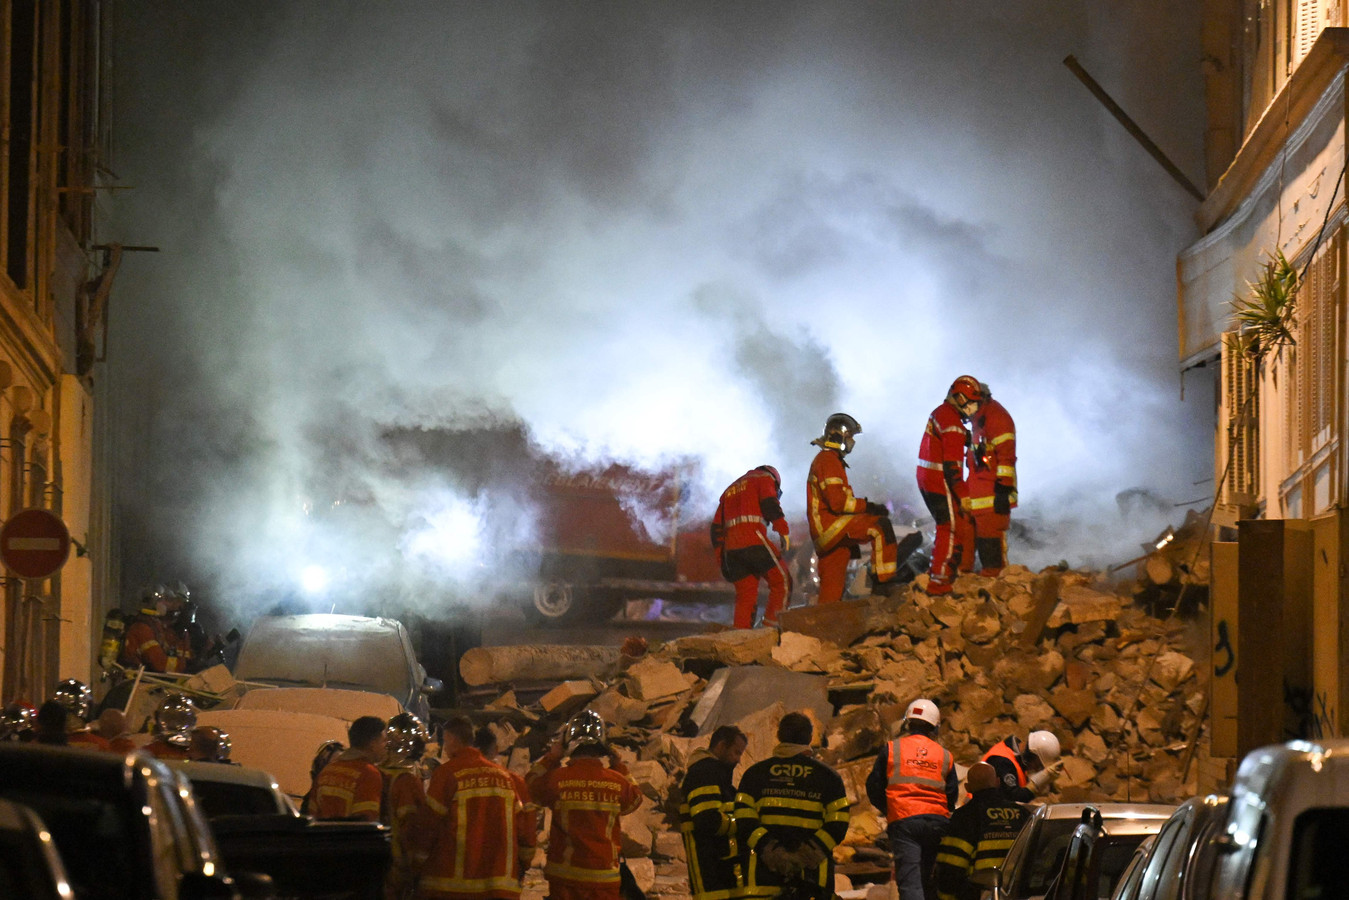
<point x="227" y="773"/>
<point x="17" y="758"/>
<point x="1117" y="819"/>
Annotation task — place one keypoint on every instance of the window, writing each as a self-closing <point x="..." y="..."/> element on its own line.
<point x="1239" y="441"/>
<point x="1319" y="867"/>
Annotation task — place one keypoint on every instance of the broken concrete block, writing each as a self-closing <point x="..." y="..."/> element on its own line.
<point x="669" y="845"/>
<point x="734" y="693"/>
<point x="643" y="872"/>
<point x="568" y="695"/>
<point x="738" y="647"/>
<point x="982" y="624"/>
<point x="1074" y="706"/>
<point x="652" y="679"/>
<point x="534" y="662"/>
<point x="617" y="709"/>
<point x="651" y="777"/>
<point x="1171" y="669"/>
<point x="1032" y="712"/>
<point x="799" y="652"/>
<point x="1079" y="604"/>
<point x="838" y="623"/>
<point x="636" y="831"/>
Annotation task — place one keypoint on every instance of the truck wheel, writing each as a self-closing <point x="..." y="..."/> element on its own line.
<point x="553" y="601"/>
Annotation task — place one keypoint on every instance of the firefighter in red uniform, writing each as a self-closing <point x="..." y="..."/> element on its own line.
<point x="991" y="483"/>
<point x="941" y="480"/>
<point x="841" y="522"/>
<point x="740" y="537"/>
<point x="351" y="786"/>
<point x="475" y="812"/>
<point x="527" y="820"/>
<point x="403" y="808"/>
<point x="150" y="641"/>
<point x="586" y="798"/>
<point x="915" y="782"/>
<point x="1019" y="769"/>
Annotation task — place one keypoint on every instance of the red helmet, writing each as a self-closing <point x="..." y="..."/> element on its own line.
<point x="777" y="479"/>
<point x="965" y="394"/>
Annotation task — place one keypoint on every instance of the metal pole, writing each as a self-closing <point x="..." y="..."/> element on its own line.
<point x="1130" y="126"/>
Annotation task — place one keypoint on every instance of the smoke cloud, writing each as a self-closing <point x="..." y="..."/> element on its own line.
<point x="647" y="233"/>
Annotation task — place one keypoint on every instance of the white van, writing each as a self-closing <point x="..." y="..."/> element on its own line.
<point x="1287" y="829"/>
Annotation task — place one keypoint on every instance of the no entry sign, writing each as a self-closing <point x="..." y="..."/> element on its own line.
<point x="34" y="543"/>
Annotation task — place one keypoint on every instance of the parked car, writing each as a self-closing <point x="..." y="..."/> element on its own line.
<point x="258" y="828"/>
<point x="1286" y="824"/>
<point x="1041" y="848"/>
<point x="1178" y="863"/>
<point x="126" y="827"/>
<point x="30" y="867"/>
<point x="321" y="650"/>
<point x="1133" y="873"/>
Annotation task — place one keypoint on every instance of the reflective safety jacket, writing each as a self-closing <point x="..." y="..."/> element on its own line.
<point x="791" y="798"/>
<point x="149" y="643"/>
<point x="587" y="798"/>
<point x="349" y="787"/>
<point x="404" y="810"/>
<point x="941" y="455"/>
<point x="978" y="838"/>
<point x="474" y="806"/>
<point x="707" y="821"/>
<point x="746" y="510"/>
<point x="992" y="457"/>
<point x="830" y="502"/>
<point x="1005" y="758"/>
<point x="918" y="773"/>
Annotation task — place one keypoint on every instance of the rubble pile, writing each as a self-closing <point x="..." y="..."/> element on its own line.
<point x="1001" y="657"/>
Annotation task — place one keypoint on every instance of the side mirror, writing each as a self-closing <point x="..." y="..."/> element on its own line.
<point x="432" y="685"/>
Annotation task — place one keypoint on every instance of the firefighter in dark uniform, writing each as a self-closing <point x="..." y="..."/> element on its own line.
<point x="791" y="811"/>
<point x="707" y="817"/>
<point x="1022" y="768"/>
<point x="980" y="834"/>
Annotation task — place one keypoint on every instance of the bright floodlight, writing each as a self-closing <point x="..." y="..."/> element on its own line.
<point x="313" y="579"/>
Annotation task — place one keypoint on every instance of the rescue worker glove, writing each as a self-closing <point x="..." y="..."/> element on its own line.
<point x="877" y="509"/>
<point x="810" y="855"/>
<point x="966" y="505"/>
<point x="776" y="858"/>
<point x="786" y="543"/>
<point x="1002" y="499"/>
<point x="1039" y="779"/>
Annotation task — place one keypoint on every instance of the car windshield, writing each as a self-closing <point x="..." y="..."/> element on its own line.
<point x="94" y="833"/>
<point x="1047" y="849"/>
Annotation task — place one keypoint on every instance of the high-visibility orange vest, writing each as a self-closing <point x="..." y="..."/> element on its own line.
<point x="1001" y="749"/>
<point x="919" y="767"/>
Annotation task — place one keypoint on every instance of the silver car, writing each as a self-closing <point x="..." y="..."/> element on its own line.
<point x="1178" y="864"/>
<point x="1047" y="837"/>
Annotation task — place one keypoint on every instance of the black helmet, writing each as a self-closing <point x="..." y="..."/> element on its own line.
<point x="18" y="723"/>
<point x="585" y="730"/>
<point x="407" y="738"/>
<point x="840" y="430"/>
<point x="324" y="755"/>
<point x="175" y="719"/>
<point x="76" y="697"/>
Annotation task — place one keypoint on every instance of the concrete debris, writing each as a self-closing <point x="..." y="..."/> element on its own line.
<point x="1056" y="649"/>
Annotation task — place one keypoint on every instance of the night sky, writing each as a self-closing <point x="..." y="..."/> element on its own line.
<point x="648" y="232"/>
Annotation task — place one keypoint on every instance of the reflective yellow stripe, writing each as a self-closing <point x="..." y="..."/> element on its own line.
<point x="1002" y="438"/>
<point x="574" y="873"/>
<point x="745" y="520"/>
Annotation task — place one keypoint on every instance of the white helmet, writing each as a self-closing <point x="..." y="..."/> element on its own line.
<point x="925" y="711"/>
<point x="1045" y="747"/>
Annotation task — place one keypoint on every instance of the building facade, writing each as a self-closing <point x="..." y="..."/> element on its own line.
<point x="1275" y="150"/>
<point x="54" y="280"/>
